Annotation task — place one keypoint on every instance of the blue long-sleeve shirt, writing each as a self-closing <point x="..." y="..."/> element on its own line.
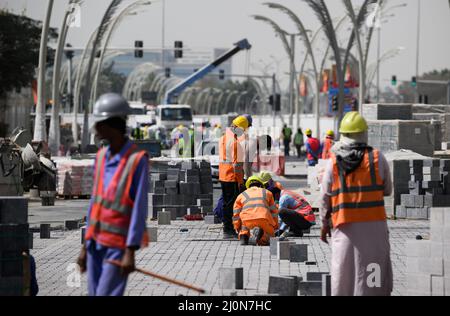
<point x="138" y="193"/>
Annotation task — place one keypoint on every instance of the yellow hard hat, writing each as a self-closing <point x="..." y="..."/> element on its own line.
<point x="330" y="133"/>
<point x="180" y="126"/>
<point x="353" y="123"/>
<point x="265" y="177"/>
<point x="241" y="122"/>
<point x="253" y="179"/>
<point x="308" y="132"/>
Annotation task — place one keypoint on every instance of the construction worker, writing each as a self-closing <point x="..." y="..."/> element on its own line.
<point x="327" y="145"/>
<point x="231" y="170"/>
<point x="255" y="214"/>
<point x="312" y="149"/>
<point x="287" y="138"/>
<point x="299" y="142"/>
<point x="296" y="214"/>
<point x="354" y="184"/>
<point x="217" y="132"/>
<point x="274" y="187"/>
<point x="249" y="119"/>
<point x="116" y="220"/>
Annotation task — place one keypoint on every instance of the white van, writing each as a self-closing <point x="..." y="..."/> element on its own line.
<point x="171" y="116"/>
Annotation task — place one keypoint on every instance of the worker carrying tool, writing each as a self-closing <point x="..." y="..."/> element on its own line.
<point x="296" y="214"/>
<point x="355" y="182"/>
<point x="232" y="169"/>
<point x="327" y="145"/>
<point x="273" y="186"/>
<point x="312" y="149"/>
<point x="116" y="220"/>
<point x="255" y="214"/>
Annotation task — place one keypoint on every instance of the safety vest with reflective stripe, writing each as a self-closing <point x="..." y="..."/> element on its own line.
<point x="231" y="158"/>
<point x="302" y="207"/>
<point x="112" y="206"/>
<point x="358" y="196"/>
<point x="313" y="153"/>
<point x="256" y="203"/>
<point x="327" y="145"/>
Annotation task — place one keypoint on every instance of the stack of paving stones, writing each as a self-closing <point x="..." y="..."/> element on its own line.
<point x="428" y="261"/>
<point x="181" y="187"/>
<point x="14" y="241"/>
<point x="429" y="186"/>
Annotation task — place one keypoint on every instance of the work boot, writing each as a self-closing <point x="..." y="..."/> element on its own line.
<point x="255" y="236"/>
<point x="244" y="240"/>
<point x="229" y="234"/>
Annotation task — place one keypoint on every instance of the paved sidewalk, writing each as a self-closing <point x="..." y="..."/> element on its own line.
<point x="196" y="256"/>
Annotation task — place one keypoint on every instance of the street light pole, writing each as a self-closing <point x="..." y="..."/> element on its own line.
<point x="163" y="37"/>
<point x="418" y="49"/>
<point x="378" y="64"/>
<point x="291" y="81"/>
<point x="274" y="96"/>
<point x="40" y="133"/>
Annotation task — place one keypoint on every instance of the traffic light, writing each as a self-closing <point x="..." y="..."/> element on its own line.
<point x="277" y="104"/>
<point x="222" y="74"/>
<point x="168" y="72"/>
<point x="178" y="49"/>
<point x="394" y="80"/>
<point x="138" y="53"/>
<point x="414" y="82"/>
<point x="335" y="103"/>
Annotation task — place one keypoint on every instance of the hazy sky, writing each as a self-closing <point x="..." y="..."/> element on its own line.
<point x="204" y="24"/>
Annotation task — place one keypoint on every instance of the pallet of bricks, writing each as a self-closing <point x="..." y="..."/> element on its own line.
<point x="14" y="246"/>
<point x="428" y="261"/>
<point x="181" y="187"/>
<point x="429" y="186"/>
<point x="74" y="178"/>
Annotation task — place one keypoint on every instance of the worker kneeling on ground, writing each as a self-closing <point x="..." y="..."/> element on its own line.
<point x="116" y="221"/>
<point x="273" y="186"/>
<point x="355" y="182"/>
<point x="255" y="214"/>
<point x="296" y="214"/>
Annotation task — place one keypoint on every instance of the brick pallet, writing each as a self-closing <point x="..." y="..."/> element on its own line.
<point x="181" y="187"/>
<point x="429" y="186"/>
<point x="14" y="241"/>
<point x="428" y="261"/>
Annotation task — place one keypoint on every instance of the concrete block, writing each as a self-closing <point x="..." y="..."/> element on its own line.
<point x="206" y="188"/>
<point x="192" y="179"/>
<point x="431" y="163"/>
<point x="173" y="212"/>
<point x="159" y="176"/>
<point x="431" y="177"/>
<point x="298" y="253"/>
<point x="159" y="190"/>
<point x="14" y="237"/>
<point x="171" y="184"/>
<point x="152" y="233"/>
<point x="190" y="188"/>
<point x="13" y="210"/>
<point x="274" y="245"/>
<point x="283" y="249"/>
<point x="310" y="288"/>
<point x="437" y="286"/>
<point x="408" y="200"/>
<point x="434" y="191"/>
<point x="417" y="213"/>
<point x="211" y="219"/>
<point x="11" y="264"/>
<point x="400" y="211"/>
<point x="284" y="286"/>
<point x="204" y="202"/>
<point x="188" y="165"/>
<point x="206" y="209"/>
<point x="418" y="248"/>
<point x="45" y="231"/>
<point x="164" y="218"/>
<point x="416" y="164"/>
<point x="431" y="171"/>
<point x="12" y="286"/>
<point x="315" y="276"/>
<point x="326" y="285"/>
<point x="181" y="212"/>
<point x="437" y="200"/>
<point x="171" y="191"/>
<point x="71" y="225"/>
<point x="231" y="278"/>
<point x="155" y="199"/>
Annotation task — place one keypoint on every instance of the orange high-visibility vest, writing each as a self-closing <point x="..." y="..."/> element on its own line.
<point x="255" y="204"/>
<point x="231" y="158"/>
<point x="303" y="207"/>
<point x="327" y="145"/>
<point x="112" y="206"/>
<point x="358" y="196"/>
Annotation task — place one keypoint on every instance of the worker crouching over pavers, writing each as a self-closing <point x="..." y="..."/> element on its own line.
<point x="116" y="221"/>
<point x="255" y="214"/>
<point x="355" y="182"/>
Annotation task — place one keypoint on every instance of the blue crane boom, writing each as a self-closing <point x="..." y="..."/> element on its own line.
<point x="179" y="88"/>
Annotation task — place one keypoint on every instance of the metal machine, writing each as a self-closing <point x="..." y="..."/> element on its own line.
<point x="24" y="166"/>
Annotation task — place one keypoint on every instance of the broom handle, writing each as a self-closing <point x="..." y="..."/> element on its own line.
<point x="161" y="277"/>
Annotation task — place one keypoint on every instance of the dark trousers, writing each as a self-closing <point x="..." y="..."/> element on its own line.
<point x="287" y="149"/>
<point x="295" y="221"/>
<point x="299" y="150"/>
<point x="230" y="191"/>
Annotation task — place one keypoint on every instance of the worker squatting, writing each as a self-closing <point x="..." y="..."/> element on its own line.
<point x="253" y="210"/>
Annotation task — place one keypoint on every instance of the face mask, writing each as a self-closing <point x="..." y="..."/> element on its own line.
<point x="238" y="131"/>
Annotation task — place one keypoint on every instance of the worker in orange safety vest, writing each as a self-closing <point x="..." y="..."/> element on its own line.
<point x="327" y="145"/>
<point x="255" y="214"/>
<point x="232" y="163"/>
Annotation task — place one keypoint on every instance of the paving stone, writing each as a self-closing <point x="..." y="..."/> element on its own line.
<point x="171" y="184"/>
<point x="211" y="219"/>
<point x="159" y="176"/>
<point x="283" y="285"/>
<point x="71" y="225"/>
<point x="310" y="288"/>
<point x="171" y="191"/>
<point x="45" y="231"/>
<point x="231" y="278"/>
<point x="315" y="276"/>
<point x="283" y="249"/>
<point x="152" y="233"/>
<point x="164" y="218"/>
<point x="298" y="253"/>
<point x="326" y="285"/>
<point x="437" y="286"/>
<point x="13" y="210"/>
